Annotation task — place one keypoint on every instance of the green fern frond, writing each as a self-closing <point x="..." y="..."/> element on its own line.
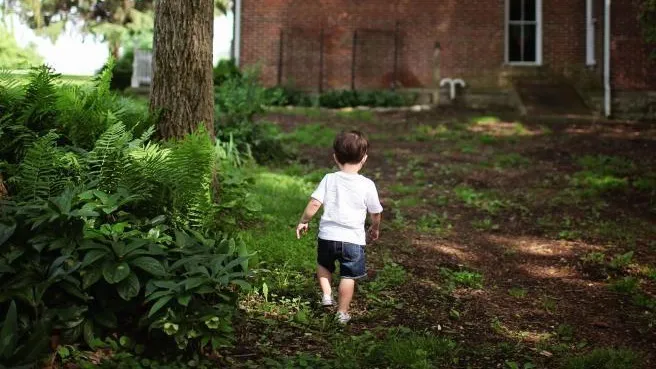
<point x="106" y="161"/>
<point x="38" y="106"/>
<point x="38" y="174"/>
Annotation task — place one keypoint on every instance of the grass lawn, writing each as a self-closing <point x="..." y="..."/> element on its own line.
<point x="506" y="244"/>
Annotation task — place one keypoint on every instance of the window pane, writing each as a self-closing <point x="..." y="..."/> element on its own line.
<point x="514" y="43"/>
<point x="515" y="10"/>
<point x="529" y="10"/>
<point x="530" y="43"/>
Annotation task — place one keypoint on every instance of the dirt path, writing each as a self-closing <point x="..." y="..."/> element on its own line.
<point x="537" y="210"/>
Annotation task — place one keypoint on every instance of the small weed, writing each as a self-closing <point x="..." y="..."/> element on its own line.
<point x="497" y="326"/>
<point x="646" y="184"/>
<point x="596" y="184"/>
<point x="434" y="224"/>
<point x="594" y="258"/>
<point x="518" y="292"/>
<point x="605" y="359"/>
<point x="485" y="120"/>
<point x="565" y="332"/>
<point x="511" y="160"/>
<point x="468" y="148"/>
<point x="398" y="220"/>
<point x="485" y="225"/>
<point x="480" y="200"/>
<point x="463" y="278"/>
<point x="626" y="285"/>
<point x="392" y="275"/>
<point x="515" y="365"/>
<point x="620" y="262"/>
<point x="549" y="304"/>
<point x="401" y="189"/>
<point x="487" y="139"/>
<point x="409" y="202"/>
<point x="608" y="165"/>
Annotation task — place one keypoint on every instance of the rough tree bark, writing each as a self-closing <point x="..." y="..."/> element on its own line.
<point x="182" y="85"/>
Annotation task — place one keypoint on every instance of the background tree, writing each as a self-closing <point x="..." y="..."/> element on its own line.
<point x="13" y="56"/>
<point x="182" y="87"/>
<point x="115" y="21"/>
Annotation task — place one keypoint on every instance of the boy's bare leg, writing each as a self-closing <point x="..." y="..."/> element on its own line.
<point x="346" y="289"/>
<point x="324" y="276"/>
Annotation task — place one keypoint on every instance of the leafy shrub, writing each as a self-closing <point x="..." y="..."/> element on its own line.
<point x="121" y="71"/>
<point x="224" y="70"/>
<point x="338" y="99"/>
<point x="284" y="96"/>
<point x="238" y="100"/>
<point x="105" y="230"/>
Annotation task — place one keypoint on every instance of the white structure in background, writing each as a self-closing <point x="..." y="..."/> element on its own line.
<point x="453" y="83"/>
<point x="142" y="69"/>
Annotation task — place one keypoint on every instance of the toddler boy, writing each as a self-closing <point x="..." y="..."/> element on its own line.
<point x="347" y="197"/>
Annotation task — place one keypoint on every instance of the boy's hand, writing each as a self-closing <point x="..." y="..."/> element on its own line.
<point x="374" y="233"/>
<point x="301" y="229"/>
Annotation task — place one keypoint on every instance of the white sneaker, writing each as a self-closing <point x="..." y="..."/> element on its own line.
<point x="327" y="300"/>
<point x="343" y="317"/>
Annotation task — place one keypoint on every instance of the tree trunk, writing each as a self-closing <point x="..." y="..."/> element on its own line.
<point x="182" y="84"/>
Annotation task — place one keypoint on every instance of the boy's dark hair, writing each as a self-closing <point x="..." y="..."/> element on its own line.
<point x="350" y="147"/>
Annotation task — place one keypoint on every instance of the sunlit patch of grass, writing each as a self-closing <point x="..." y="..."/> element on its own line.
<point x="480" y="200"/>
<point x="274" y="240"/>
<point x="309" y="112"/>
<point x="357" y="114"/>
<point x="461" y="278"/>
<point x="485" y="120"/>
<point x="424" y="132"/>
<point x="315" y="135"/>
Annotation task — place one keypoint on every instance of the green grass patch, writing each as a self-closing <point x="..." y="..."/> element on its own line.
<point x="605" y="358"/>
<point x="398" y="348"/>
<point x="409" y="202"/>
<point x="357" y="114"/>
<point x="518" y="292"/>
<point x="308" y="112"/>
<point x="425" y="132"/>
<point x="480" y="200"/>
<point x="607" y="165"/>
<point x="283" y="199"/>
<point x="511" y="160"/>
<point x="434" y="224"/>
<point x="461" y="278"/>
<point x="315" y="135"/>
<point x="485" y="120"/>
<point x="403" y="189"/>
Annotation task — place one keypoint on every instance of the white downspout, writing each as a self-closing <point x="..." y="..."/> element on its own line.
<point x="590" y="34"/>
<point x="237" y="36"/>
<point x="607" y="37"/>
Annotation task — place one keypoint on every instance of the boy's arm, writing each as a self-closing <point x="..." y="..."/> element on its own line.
<point x="374" y="228"/>
<point x="310" y="210"/>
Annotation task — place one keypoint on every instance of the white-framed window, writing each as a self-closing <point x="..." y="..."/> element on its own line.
<point x="524" y="32"/>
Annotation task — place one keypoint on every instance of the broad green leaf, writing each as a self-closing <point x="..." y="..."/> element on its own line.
<point x="192" y="283"/>
<point x="159" y="305"/>
<point x="106" y="318"/>
<point x="91" y="277"/>
<point x="133" y="246"/>
<point x="184" y="299"/>
<point x="157" y="295"/>
<point x="9" y="330"/>
<point x="158" y="219"/>
<point x="149" y="265"/>
<point x="241" y="283"/>
<point x="93" y="256"/>
<point x="6" y="231"/>
<point x="116" y="272"/>
<point x="129" y="288"/>
<point x="87" y="332"/>
<point x="119" y="248"/>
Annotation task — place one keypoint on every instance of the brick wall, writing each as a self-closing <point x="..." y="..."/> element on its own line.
<point x="471" y="34"/>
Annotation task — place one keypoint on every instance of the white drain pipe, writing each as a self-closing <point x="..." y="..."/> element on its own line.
<point x="607" y="37"/>
<point x="453" y="83"/>
<point x="590" y="59"/>
<point x="236" y="39"/>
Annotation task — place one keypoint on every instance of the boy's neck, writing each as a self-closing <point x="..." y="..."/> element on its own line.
<point x="350" y="168"/>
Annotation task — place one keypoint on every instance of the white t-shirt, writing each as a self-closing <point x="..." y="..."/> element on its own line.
<point x="346" y="199"/>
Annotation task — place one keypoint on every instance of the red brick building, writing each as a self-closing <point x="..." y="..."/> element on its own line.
<point x="373" y="44"/>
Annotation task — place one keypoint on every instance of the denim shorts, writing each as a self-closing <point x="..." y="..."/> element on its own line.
<point x="351" y="258"/>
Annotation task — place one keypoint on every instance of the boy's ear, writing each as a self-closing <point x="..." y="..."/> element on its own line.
<point x="364" y="159"/>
